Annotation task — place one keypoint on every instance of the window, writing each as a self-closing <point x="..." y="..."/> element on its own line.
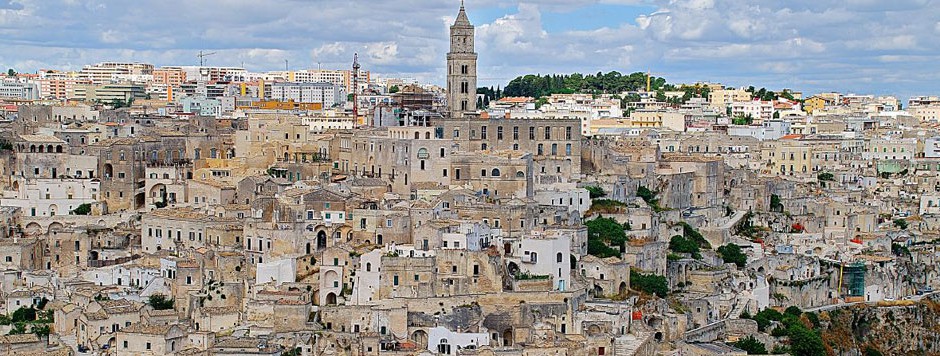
<point x="388" y="222"/>
<point x="464" y="69"/>
<point x="495" y="172"/>
<point x="554" y="149"/>
<point x="483" y="132"/>
<point x="125" y="344"/>
<point x="540" y="150"/>
<point x="499" y="132"/>
<point x="559" y="257"/>
<point x="567" y="149"/>
<point x="531" y="133"/>
<point x="148" y="346"/>
<point x="442" y="152"/>
<point x="548" y="132"/>
<point x="395" y="280"/>
<point x="515" y="132"/>
<point x="568" y="133"/>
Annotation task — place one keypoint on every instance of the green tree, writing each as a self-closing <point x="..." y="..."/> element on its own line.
<point x="680" y="244"/>
<point x="596" y="192"/>
<point x="160" y="302"/>
<point x="24" y="314"/>
<point x="84" y="209"/>
<point x="731" y="253"/>
<point x="805" y="342"/>
<point x="751" y="345"/>
<point x="825" y="176"/>
<point x="604" y="233"/>
<point x="901" y="224"/>
<point x="649" y="283"/>
<point x="393" y="89"/>
<point x="11" y="72"/>
<point x="775" y="204"/>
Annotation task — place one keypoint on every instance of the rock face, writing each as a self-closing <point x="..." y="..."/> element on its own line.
<point x="891" y="330"/>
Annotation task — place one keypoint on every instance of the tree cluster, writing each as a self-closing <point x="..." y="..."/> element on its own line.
<point x="161" y="302"/>
<point x="604" y="233"/>
<point x="537" y="86"/>
<point x="731" y="253"/>
<point x="649" y="283"/>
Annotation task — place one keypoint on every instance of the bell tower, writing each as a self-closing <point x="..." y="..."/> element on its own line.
<point x="461" y="67"/>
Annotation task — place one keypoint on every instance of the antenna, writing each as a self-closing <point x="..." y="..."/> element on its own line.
<point x="202" y="57"/>
<point x="355" y="88"/>
<point x="286" y="65"/>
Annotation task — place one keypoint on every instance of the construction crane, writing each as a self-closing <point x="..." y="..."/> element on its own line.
<point x="202" y="57"/>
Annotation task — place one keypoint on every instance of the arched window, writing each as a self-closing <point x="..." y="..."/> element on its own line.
<point x="423" y="153"/>
<point x="495" y="172"/>
<point x="520" y="174"/>
<point x="417" y="135"/>
<point x="559" y="257"/>
<point x="427" y="135"/>
<point x="369" y="267"/>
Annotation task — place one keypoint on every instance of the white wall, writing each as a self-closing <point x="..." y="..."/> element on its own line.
<point x="280" y="271"/>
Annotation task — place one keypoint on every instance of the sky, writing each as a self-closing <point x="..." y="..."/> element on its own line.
<point x="853" y="46"/>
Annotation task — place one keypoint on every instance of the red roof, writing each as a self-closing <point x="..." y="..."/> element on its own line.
<point x="791" y="137"/>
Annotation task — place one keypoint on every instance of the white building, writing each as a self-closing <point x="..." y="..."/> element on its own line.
<point x="328" y="121"/>
<point x="446" y="342"/>
<point x="19" y="88"/>
<point x="471" y="236"/>
<point x="565" y="195"/>
<point x="759" y="110"/>
<point x="367" y="278"/>
<point x="932" y="147"/>
<point x="51" y="197"/>
<point x="277" y="272"/>
<point x="767" y="131"/>
<point x="109" y="72"/>
<point x="328" y="94"/>
<point x="544" y="254"/>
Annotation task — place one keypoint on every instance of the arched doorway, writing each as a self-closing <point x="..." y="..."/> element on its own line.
<point x="56" y="226"/>
<point x="331" y="299"/>
<point x="512" y="268"/>
<point x="507" y="337"/>
<point x="421" y="338"/>
<point x="623" y="289"/>
<point x="321" y="240"/>
<point x="33" y="228"/>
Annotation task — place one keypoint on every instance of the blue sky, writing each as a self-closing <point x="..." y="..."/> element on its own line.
<point x="861" y="46"/>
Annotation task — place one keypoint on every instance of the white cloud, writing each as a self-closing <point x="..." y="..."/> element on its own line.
<point x="383" y="52"/>
<point x="761" y="42"/>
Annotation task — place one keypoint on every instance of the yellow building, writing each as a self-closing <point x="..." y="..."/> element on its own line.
<point x="674" y="121"/>
<point x="721" y="99"/>
<point x="789" y="155"/>
<point x="814" y="104"/>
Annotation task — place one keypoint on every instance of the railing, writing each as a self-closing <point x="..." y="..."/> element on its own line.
<point x="106" y="263"/>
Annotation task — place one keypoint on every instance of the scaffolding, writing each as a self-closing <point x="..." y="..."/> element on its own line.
<point x="855" y="279"/>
